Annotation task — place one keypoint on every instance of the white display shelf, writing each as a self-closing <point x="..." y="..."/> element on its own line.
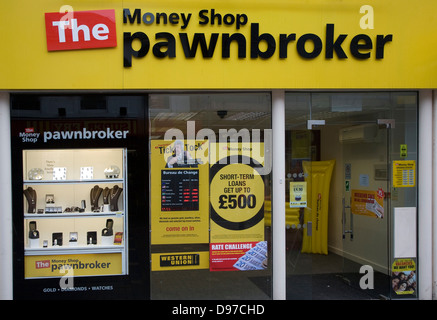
<point x="73" y="215"/>
<point x="88" y="249"/>
<point x="85" y="181"/>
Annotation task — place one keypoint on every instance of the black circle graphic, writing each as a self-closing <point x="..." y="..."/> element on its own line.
<point x="231" y="225"/>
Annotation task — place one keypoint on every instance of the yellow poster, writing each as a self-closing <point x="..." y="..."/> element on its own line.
<point x="298" y="194"/>
<point x="403" y="277"/>
<point x="368" y="203"/>
<point x="179" y="192"/>
<point x="404" y="173"/>
<point x="73" y="265"/>
<point x="237" y="195"/>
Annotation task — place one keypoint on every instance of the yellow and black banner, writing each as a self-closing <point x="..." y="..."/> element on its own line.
<point x="180" y="261"/>
<point x="363" y="45"/>
<point x="73" y="265"/>
<point x="179" y="192"/>
<point x="404" y="173"/>
<point x="236" y="204"/>
<point x="179" y="211"/>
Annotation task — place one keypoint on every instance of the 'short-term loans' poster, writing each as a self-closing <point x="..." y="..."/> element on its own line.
<point x="237" y="207"/>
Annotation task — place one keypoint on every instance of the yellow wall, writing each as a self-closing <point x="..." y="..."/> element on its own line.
<point x="409" y="59"/>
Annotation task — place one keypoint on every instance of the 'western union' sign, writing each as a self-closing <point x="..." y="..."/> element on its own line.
<point x="179" y="260"/>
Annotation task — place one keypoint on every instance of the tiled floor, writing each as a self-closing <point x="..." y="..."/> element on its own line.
<point x="309" y="277"/>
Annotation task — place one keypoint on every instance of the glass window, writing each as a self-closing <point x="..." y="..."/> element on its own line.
<point x="342" y="151"/>
<point x="209" y="205"/>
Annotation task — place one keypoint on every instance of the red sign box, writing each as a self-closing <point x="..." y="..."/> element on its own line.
<point x="80" y="30"/>
<point x="42" y="264"/>
<point x="235" y="256"/>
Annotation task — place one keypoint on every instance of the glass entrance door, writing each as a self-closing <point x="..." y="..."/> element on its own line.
<point x="340" y="152"/>
<point x="366" y="205"/>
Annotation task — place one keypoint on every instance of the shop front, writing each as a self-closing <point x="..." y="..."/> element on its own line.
<point x="231" y="152"/>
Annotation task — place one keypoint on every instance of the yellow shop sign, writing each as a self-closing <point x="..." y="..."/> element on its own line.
<point x="173" y="44"/>
<point x="73" y="265"/>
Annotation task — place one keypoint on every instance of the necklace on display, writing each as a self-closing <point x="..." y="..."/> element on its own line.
<point x="95" y="193"/>
<point x="30" y="195"/>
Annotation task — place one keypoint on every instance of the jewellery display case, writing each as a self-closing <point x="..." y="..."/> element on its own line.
<point x="75" y="209"/>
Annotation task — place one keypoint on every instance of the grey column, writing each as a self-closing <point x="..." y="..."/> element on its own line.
<point x="5" y="199"/>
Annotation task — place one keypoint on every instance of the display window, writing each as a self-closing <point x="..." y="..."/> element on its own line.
<point x="79" y="172"/>
<point x="75" y="212"/>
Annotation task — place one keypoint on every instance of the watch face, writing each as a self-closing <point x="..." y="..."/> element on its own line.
<point x="36" y="174"/>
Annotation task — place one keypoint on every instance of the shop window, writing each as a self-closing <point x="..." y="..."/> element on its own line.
<point x="79" y="169"/>
<point x="210" y="221"/>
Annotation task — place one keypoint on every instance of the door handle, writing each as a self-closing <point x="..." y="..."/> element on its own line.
<point x="350" y="230"/>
